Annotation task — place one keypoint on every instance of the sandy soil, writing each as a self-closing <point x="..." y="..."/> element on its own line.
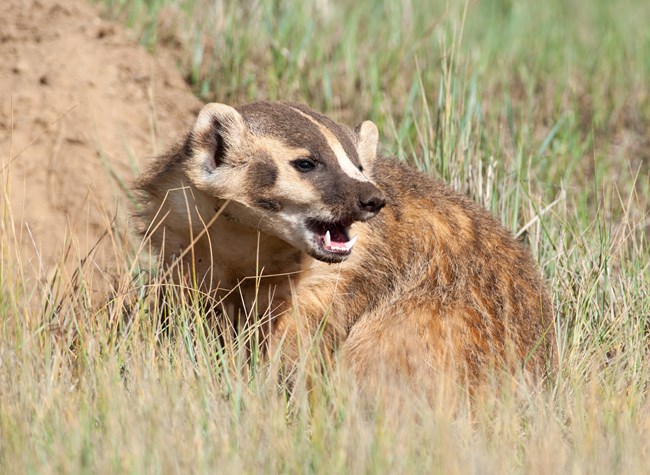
<point x="82" y="107"/>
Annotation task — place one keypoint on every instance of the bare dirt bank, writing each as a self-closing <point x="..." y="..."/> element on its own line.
<point x="81" y="104"/>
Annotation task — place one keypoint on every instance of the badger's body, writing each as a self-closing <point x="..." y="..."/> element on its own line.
<point x="432" y="284"/>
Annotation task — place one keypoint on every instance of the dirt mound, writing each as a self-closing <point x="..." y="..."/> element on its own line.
<point x="82" y="107"/>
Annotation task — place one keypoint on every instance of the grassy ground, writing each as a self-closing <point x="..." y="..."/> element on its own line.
<point x="539" y="110"/>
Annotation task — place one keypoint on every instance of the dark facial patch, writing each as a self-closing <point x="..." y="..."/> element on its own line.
<point x="262" y="173"/>
<point x="260" y="178"/>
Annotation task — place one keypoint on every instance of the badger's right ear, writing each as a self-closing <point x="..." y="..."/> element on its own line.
<point x="368" y="139"/>
<point x="218" y="129"/>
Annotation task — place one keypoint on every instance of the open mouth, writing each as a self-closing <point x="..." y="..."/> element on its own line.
<point x="333" y="238"/>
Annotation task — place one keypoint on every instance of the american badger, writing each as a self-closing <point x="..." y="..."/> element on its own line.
<point x="400" y="276"/>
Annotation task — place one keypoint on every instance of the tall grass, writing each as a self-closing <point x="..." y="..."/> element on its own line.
<point x="538" y="110"/>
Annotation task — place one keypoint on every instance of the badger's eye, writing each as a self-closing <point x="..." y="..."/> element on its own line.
<point x="304" y="164"/>
<point x="361" y="168"/>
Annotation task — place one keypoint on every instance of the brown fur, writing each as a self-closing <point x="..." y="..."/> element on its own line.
<point x="434" y="285"/>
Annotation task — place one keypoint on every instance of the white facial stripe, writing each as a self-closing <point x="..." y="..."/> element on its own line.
<point x="344" y="161"/>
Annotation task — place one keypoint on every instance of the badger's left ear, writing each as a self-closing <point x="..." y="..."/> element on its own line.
<point x="367" y="141"/>
<point x="217" y="132"/>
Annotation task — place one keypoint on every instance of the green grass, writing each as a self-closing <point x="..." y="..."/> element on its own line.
<point x="527" y="106"/>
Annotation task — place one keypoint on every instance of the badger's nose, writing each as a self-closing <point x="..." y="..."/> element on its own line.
<point x="371" y="201"/>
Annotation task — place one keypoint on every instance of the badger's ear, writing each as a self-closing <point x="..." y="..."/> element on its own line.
<point x="368" y="139"/>
<point x="218" y="129"/>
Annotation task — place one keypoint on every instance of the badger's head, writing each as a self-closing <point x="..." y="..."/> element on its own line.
<point x="288" y="171"/>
